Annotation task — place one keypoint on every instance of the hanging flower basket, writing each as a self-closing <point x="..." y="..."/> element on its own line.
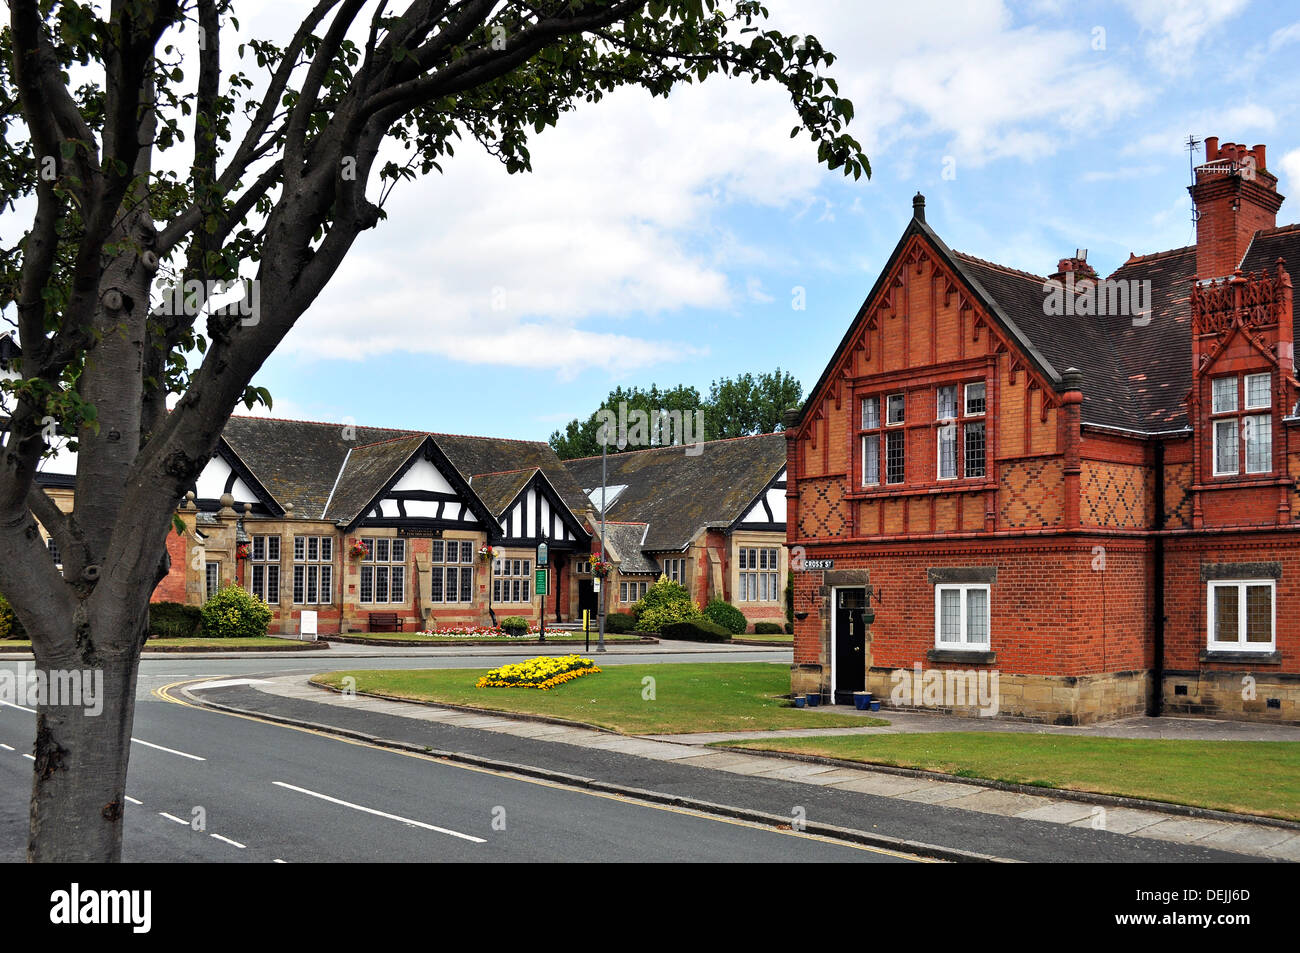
<point x="242" y="551"/>
<point x="600" y="570"/>
<point x="358" y="549"/>
<point x="486" y="554"/>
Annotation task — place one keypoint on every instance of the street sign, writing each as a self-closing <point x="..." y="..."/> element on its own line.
<point x="539" y="581"/>
<point x="595" y="584"/>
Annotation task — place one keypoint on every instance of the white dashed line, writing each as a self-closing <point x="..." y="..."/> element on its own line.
<point x="227" y="840"/>
<point x="173" y="817"/>
<point x="30" y="757"/>
<point x="19" y="707"/>
<point x="279" y="861"/>
<point x="371" y="810"/>
<point x="132" y="800"/>
<point x="6" y="747"/>
<point x="150" y="744"/>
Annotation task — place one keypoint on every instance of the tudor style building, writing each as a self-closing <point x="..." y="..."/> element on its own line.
<point x="713" y="520"/>
<point x="1099" y="502"/>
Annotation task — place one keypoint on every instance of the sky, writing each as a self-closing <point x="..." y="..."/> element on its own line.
<point x="671" y="241"/>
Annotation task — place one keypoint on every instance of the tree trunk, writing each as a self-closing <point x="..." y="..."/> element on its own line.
<point x="79" y="787"/>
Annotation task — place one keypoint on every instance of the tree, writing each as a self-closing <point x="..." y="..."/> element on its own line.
<point x="582" y="438"/>
<point x="745" y="405"/>
<point x="281" y="174"/>
<point x="736" y="407"/>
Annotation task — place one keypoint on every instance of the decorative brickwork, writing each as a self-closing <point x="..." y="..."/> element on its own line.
<point x="1115" y="495"/>
<point x="822" y="513"/>
<point x="1178" y="495"/>
<point x="1030" y="493"/>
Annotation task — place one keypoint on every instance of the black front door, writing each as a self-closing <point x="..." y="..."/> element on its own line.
<point x="850" y="644"/>
<point x="586" y="598"/>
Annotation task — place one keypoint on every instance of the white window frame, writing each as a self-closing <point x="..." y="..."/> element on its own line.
<point x="1214" y="432"/>
<point x="902" y="396"/>
<point x="957" y="463"/>
<point x="966" y="399"/>
<point x="1242" y="645"/>
<point x="963" y="644"/>
<point x="1249" y="420"/>
<point x="1268" y="392"/>
<point x="1214" y="397"/>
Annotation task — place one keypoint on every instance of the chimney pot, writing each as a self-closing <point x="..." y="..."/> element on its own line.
<point x="1211" y="148"/>
<point x="1259" y="156"/>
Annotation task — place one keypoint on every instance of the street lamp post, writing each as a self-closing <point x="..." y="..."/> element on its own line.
<point x="604" y="560"/>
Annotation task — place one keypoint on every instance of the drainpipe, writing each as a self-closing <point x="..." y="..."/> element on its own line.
<point x="1155" y="706"/>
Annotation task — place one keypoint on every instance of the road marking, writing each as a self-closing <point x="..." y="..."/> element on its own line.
<point x="228" y="683"/>
<point x="150" y="744"/>
<point x="131" y="799"/>
<point x="19" y="707"/>
<point x="30" y="757"/>
<point x="227" y="840"/>
<point x="371" y="810"/>
<point x="172" y="817"/>
<point x="279" y="861"/>
<point x="6" y="747"/>
<point x="164" y="693"/>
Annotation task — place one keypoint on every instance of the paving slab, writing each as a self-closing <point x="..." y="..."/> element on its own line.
<point x="1183" y="830"/>
<point x="1288" y="849"/>
<point x="1006" y="803"/>
<point x="1253" y="836"/>
<point x="937" y="792"/>
<point x="885" y="785"/>
<point x="1058" y="812"/>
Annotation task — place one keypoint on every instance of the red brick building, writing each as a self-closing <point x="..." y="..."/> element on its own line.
<point x="1087" y="486"/>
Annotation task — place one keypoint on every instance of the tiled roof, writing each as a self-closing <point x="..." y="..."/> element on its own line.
<point x="366" y="471"/>
<point x="498" y="490"/>
<point x="679" y="494"/>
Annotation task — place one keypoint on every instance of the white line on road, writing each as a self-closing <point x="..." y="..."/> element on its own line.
<point x="30" y="757"/>
<point x="371" y="810"/>
<point x="227" y="840"/>
<point x="131" y="799"/>
<point x="150" y="744"/>
<point x="6" y="747"/>
<point x="172" y="817"/>
<point x="279" y="861"/>
<point x="19" y="707"/>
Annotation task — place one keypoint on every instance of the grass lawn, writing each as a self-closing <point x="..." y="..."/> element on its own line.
<point x="1254" y="777"/>
<point x="767" y="637"/>
<point x="721" y="696"/>
<point x="15" y="644"/>
<point x="264" y="641"/>
<point x="559" y="637"/>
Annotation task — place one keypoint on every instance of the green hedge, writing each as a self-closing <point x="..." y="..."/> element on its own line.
<point x="514" y="623"/>
<point x="235" y="613"/>
<point x="665" y="603"/>
<point x="726" y="615"/>
<point x="10" y="627"/>
<point x="618" y="622"/>
<point x="175" y="620"/>
<point x="768" y="628"/>
<point x="699" y="630"/>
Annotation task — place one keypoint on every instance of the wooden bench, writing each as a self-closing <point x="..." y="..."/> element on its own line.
<point x="385" y="622"/>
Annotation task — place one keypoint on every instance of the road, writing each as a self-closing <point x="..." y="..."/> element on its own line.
<point x="269" y="793"/>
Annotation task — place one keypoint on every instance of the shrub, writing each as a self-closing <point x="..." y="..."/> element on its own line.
<point x="663" y="604"/>
<point x="789" y="628"/>
<point x="618" y="622"/>
<point x="10" y="626"/>
<point x="789" y="602"/>
<point x="768" y="628"/>
<point x="726" y="615"/>
<point x="696" y="630"/>
<point x="175" y="620"/>
<point x="514" y="623"/>
<point x="235" y="613"/>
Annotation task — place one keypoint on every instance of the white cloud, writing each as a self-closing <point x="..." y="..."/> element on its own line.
<point x="1179" y="26"/>
<point x="1290" y="165"/>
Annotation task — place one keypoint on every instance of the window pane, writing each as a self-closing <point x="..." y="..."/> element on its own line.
<point x="896" y="408"/>
<point x="259" y="547"/>
<point x="1225" y="395"/>
<point x="436" y="551"/>
<point x="949" y="615"/>
<point x="870" y="413"/>
<point x="399" y="551"/>
<point x="273" y="585"/>
<point x="369" y="557"/>
<point x="870" y="460"/>
<point x="1259" y="614"/>
<point x="947" y="451"/>
<point x="973" y="449"/>
<point x="977" y="616"/>
<point x="466" y="551"/>
<point x="299" y="548"/>
<point x="1225" y="446"/>
<point x="381" y="551"/>
<point x="466" y="584"/>
<point x="259" y="580"/>
<point x="1225" y="613"/>
<point x="452" y="591"/>
<point x="894" y="467"/>
<point x="312" y="577"/>
<point x="975" y="401"/>
<point x="273" y="548"/>
<point x="435" y="586"/>
<point x="326" y="549"/>
<point x="1258" y="390"/>
<point x="313" y="548"/>
<point x="397" y="584"/>
<point x="1258" y="431"/>
<point x="496" y="590"/>
<point x="947" y="404"/>
<point x="300" y="588"/>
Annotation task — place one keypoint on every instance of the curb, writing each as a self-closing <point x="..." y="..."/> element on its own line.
<point x="205" y="650"/>
<point x="1063" y="794"/>
<point x="479" y="643"/>
<point x="914" y="848"/>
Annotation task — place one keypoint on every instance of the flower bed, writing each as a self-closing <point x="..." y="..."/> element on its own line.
<point x="476" y="632"/>
<point x="544" y="672"/>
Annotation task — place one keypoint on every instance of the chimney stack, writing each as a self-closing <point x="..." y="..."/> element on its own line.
<point x="1235" y="196"/>
<point x="1077" y="266"/>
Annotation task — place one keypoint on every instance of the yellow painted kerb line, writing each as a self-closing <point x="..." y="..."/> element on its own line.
<point x="165" y="694"/>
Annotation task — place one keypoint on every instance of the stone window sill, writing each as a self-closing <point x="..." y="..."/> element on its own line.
<point x="1249" y="658"/>
<point x="961" y="655"/>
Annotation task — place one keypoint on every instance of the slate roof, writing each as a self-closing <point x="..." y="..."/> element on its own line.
<point x="365" y="472"/>
<point x="677" y="494"/>
<point x="624" y="541"/>
<point x="498" y="490"/>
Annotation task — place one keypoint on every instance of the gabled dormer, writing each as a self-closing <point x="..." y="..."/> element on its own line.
<point x="1243" y="386"/>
